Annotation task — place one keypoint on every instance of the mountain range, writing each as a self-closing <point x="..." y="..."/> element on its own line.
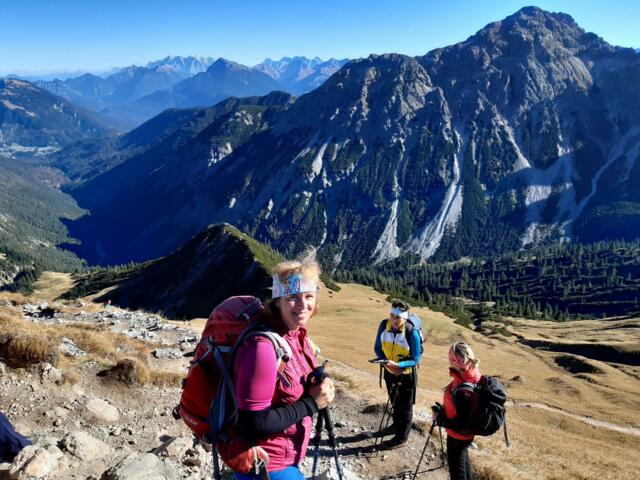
<point x="524" y="134"/>
<point x="134" y="94"/>
<point x="36" y="121"/>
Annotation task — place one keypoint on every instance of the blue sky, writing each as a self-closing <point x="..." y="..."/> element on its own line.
<point x="93" y="35"/>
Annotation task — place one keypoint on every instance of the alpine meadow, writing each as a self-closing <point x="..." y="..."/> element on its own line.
<point x="439" y="238"/>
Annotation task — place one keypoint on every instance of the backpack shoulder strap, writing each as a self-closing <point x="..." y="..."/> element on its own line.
<point x="280" y="345"/>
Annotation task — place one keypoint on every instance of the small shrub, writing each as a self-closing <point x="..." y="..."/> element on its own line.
<point x="166" y="379"/>
<point x="22" y="350"/>
<point x="128" y="371"/>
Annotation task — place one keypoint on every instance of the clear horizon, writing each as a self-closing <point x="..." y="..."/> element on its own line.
<point x="90" y="36"/>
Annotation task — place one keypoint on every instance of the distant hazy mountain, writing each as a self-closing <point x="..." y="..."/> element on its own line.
<point x="300" y="75"/>
<point x="33" y="118"/>
<point x="223" y="79"/>
<point x="127" y="84"/>
<point x="134" y="94"/>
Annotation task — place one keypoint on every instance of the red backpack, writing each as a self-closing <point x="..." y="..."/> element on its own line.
<point x="208" y="404"/>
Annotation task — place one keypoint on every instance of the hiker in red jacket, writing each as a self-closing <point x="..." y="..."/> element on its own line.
<point x="455" y="415"/>
<point x="276" y="409"/>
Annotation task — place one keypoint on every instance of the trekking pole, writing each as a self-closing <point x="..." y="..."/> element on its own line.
<point x="433" y="424"/>
<point x="324" y="417"/>
<point x="316" y="443"/>
<point x="444" y="458"/>
<point x="387" y="415"/>
<point x="328" y="425"/>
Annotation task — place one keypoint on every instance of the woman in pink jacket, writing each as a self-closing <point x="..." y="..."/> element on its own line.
<point x="463" y="367"/>
<point x="276" y="407"/>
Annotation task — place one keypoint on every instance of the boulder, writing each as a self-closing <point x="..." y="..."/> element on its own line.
<point x="84" y="446"/>
<point x="33" y="462"/>
<point x="176" y="447"/>
<point x="167" y="353"/>
<point x="67" y="347"/>
<point x="145" y="466"/>
<point x="49" y="373"/>
<point x="102" y="411"/>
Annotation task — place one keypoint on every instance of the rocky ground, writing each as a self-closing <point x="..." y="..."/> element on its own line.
<point x="83" y="425"/>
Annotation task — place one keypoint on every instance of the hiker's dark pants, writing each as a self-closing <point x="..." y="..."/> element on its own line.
<point x="458" y="458"/>
<point x="405" y="388"/>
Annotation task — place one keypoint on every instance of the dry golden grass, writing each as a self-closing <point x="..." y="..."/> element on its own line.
<point x="545" y="445"/>
<point x="51" y="285"/>
<point x="10" y="315"/>
<point x="101" y="344"/>
<point x="12" y="298"/>
<point x="166" y="379"/>
<point x="23" y="350"/>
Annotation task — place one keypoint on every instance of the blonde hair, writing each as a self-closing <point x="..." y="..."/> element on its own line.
<point x="463" y="352"/>
<point x="307" y="266"/>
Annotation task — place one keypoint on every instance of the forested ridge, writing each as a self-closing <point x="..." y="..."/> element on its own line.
<point x="557" y="283"/>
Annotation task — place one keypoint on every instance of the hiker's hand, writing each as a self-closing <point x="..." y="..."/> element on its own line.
<point x="323" y="392"/>
<point x="393" y="368"/>
<point x="437" y="410"/>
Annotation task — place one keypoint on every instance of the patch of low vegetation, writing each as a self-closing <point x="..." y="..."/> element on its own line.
<point x="96" y="279"/>
<point x="129" y="371"/>
<point x="577" y="365"/>
<point x="165" y="379"/>
<point x="21" y="350"/>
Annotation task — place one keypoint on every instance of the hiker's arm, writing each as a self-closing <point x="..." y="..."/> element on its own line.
<point x="377" y="347"/>
<point x="415" y="350"/>
<point x="461" y="420"/>
<point x="272" y="420"/>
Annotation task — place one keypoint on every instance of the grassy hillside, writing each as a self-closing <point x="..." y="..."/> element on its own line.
<point x="562" y="424"/>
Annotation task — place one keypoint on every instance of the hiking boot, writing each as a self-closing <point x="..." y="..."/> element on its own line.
<point x="393" y="443"/>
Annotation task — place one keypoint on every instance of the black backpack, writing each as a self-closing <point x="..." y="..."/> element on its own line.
<point x="487" y="401"/>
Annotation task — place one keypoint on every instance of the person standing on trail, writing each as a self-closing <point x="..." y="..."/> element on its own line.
<point x="455" y="414"/>
<point x="275" y="406"/>
<point x="399" y="343"/>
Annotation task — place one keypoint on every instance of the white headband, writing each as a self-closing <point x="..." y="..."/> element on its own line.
<point x="295" y="284"/>
<point x="399" y="313"/>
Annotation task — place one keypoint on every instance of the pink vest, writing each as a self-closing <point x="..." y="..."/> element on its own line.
<point x="288" y="447"/>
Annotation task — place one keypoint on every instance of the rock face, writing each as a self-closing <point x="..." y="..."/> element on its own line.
<point x="523" y="134"/>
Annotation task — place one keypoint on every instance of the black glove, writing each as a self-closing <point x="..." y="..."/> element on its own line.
<point x="437" y="410"/>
